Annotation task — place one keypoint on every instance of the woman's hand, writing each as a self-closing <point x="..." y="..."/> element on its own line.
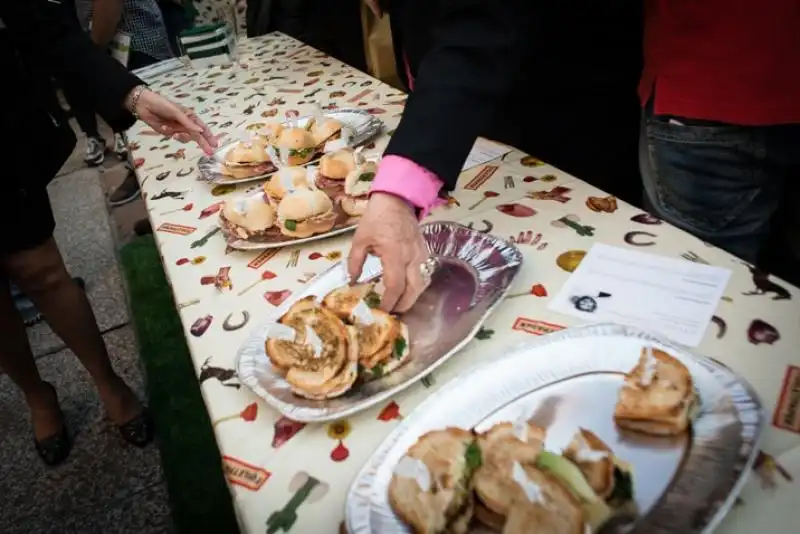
<point x="390" y="230"/>
<point x="168" y="118"/>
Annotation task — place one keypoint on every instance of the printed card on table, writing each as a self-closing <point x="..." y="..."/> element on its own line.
<point x="673" y="297"/>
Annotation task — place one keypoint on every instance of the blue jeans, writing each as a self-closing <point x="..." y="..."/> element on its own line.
<point x="720" y="182"/>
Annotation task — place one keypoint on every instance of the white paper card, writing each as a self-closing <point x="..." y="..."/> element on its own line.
<point x="674" y="297"/>
<point x="484" y="151"/>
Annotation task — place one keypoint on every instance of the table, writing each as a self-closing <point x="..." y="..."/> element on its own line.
<point x="268" y="458"/>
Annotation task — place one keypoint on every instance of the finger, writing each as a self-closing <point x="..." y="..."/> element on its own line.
<point x="182" y="137"/>
<point x="394" y="281"/>
<point x="203" y="143"/>
<point x="184" y="120"/>
<point x="356" y="259"/>
<point x="415" y="286"/>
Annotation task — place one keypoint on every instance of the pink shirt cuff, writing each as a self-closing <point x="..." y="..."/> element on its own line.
<point x="413" y="183"/>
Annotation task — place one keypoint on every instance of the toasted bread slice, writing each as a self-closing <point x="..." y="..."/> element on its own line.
<point x="340" y="383"/>
<point x="447" y="457"/>
<point x="374" y="337"/>
<point x="390" y="358"/>
<point x="343" y="300"/>
<point x="657" y="396"/>
<point x="595" y="460"/>
<point x="501" y="447"/>
<point x="554" y="510"/>
<point x="487" y="518"/>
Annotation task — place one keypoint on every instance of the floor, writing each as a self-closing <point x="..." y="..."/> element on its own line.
<point x="105" y="486"/>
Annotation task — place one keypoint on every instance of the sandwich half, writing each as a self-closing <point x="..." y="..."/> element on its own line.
<point x="610" y="477"/>
<point x="321" y="361"/>
<point x="247" y="153"/>
<point x="384" y="345"/>
<point x="342" y="301"/>
<point x="431" y="487"/>
<point x="502" y="446"/>
<point x="327" y="129"/>
<point x="540" y="503"/>
<point x="333" y="169"/>
<point x="658" y="396"/>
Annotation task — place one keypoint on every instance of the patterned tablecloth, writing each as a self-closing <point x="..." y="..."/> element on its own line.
<point x="268" y="458"/>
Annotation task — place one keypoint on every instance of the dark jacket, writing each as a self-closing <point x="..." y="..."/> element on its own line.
<point x="555" y="78"/>
<point x="43" y="40"/>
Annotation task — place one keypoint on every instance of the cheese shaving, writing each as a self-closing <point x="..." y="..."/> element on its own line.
<point x="585" y="453"/>
<point x="521" y="428"/>
<point x="362" y="314"/>
<point x="650" y="367"/>
<point x="532" y="490"/>
<point x="313" y="339"/>
<point x="240" y="206"/>
<point x="415" y="469"/>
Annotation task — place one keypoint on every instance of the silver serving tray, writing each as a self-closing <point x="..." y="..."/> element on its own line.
<point x="570" y="379"/>
<point x="476" y="271"/>
<point x="364" y="127"/>
<point x="245" y="244"/>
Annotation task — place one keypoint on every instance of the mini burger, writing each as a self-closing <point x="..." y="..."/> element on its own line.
<point x="326" y="130"/>
<point x="295" y="146"/>
<point x="248" y="218"/>
<point x="305" y="212"/>
<point x="285" y="181"/>
<point x="333" y="170"/>
<point x="247" y="153"/>
<point x="356" y="189"/>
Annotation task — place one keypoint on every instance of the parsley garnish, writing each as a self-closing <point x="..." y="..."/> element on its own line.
<point x="372" y="300"/>
<point x="290" y="225"/>
<point x="377" y="371"/>
<point x="399" y="347"/>
<point x="473" y="456"/>
<point x="366" y="177"/>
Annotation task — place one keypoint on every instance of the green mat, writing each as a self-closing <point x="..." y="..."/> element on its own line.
<point x="199" y="498"/>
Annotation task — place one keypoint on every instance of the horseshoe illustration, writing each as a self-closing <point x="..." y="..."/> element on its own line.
<point x="630" y="238"/>
<point x="487" y="227"/>
<point x="185" y="173"/>
<point x="348" y="84"/>
<point x="228" y="326"/>
<point x="721" y="324"/>
<point x="162" y="176"/>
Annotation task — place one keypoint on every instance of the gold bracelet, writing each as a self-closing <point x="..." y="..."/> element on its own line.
<point x="135" y="94"/>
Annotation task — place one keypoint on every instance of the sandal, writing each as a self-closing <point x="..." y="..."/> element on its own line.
<point x="140" y="430"/>
<point x="55" y="449"/>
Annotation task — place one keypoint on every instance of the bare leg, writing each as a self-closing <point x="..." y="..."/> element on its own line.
<point x="40" y="273"/>
<point x="16" y="360"/>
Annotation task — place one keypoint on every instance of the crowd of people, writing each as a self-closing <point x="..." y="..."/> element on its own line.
<point x="687" y="109"/>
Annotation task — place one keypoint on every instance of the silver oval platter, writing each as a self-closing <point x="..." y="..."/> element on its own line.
<point x="571" y="379"/>
<point x="244" y="244"/>
<point x="476" y="271"/>
<point x="363" y="126"/>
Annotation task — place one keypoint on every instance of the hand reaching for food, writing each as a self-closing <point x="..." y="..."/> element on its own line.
<point x="389" y="230"/>
<point x="168" y="118"/>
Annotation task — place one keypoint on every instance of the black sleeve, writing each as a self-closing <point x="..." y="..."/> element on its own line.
<point x="478" y="48"/>
<point x="47" y="34"/>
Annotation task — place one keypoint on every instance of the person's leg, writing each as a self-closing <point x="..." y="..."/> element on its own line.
<point x="16" y="360"/>
<point x="41" y="274"/>
<point x="710" y="179"/>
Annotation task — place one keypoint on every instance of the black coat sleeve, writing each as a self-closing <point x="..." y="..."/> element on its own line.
<point x="46" y="34"/>
<point x="478" y="48"/>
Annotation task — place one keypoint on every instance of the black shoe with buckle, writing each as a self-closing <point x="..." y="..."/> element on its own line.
<point x="140" y="430"/>
<point x="53" y="450"/>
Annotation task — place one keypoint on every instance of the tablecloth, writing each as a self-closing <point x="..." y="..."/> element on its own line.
<point x="268" y="459"/>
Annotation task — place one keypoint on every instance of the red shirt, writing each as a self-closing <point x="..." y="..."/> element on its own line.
<point x="733" y="61"/>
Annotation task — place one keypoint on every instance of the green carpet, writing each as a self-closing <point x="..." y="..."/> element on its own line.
<point x="199" y="498"/>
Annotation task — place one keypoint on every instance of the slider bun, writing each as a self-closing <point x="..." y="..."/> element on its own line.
<point x="284" y="181"/>
<point x="258" y="215"/>
<point x="327" y="129"/>
<point x="247" y="153"/>
<point x="359" y="181"/>
<point x="354" y="207"/>
<point x="295" y="138"/>
<point x="304" y="204"/>
<point x="337" y="165"/>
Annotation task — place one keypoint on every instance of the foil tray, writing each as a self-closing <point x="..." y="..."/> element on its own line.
<point x="569" y="379"/>
<point x="245" y="244"/>
<point x="475" y="273"/>
<point x="363" y="125"/>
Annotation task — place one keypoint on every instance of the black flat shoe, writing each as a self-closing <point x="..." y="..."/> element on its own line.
<point x="54" y="449"/>
<point x="140" y="430"/>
